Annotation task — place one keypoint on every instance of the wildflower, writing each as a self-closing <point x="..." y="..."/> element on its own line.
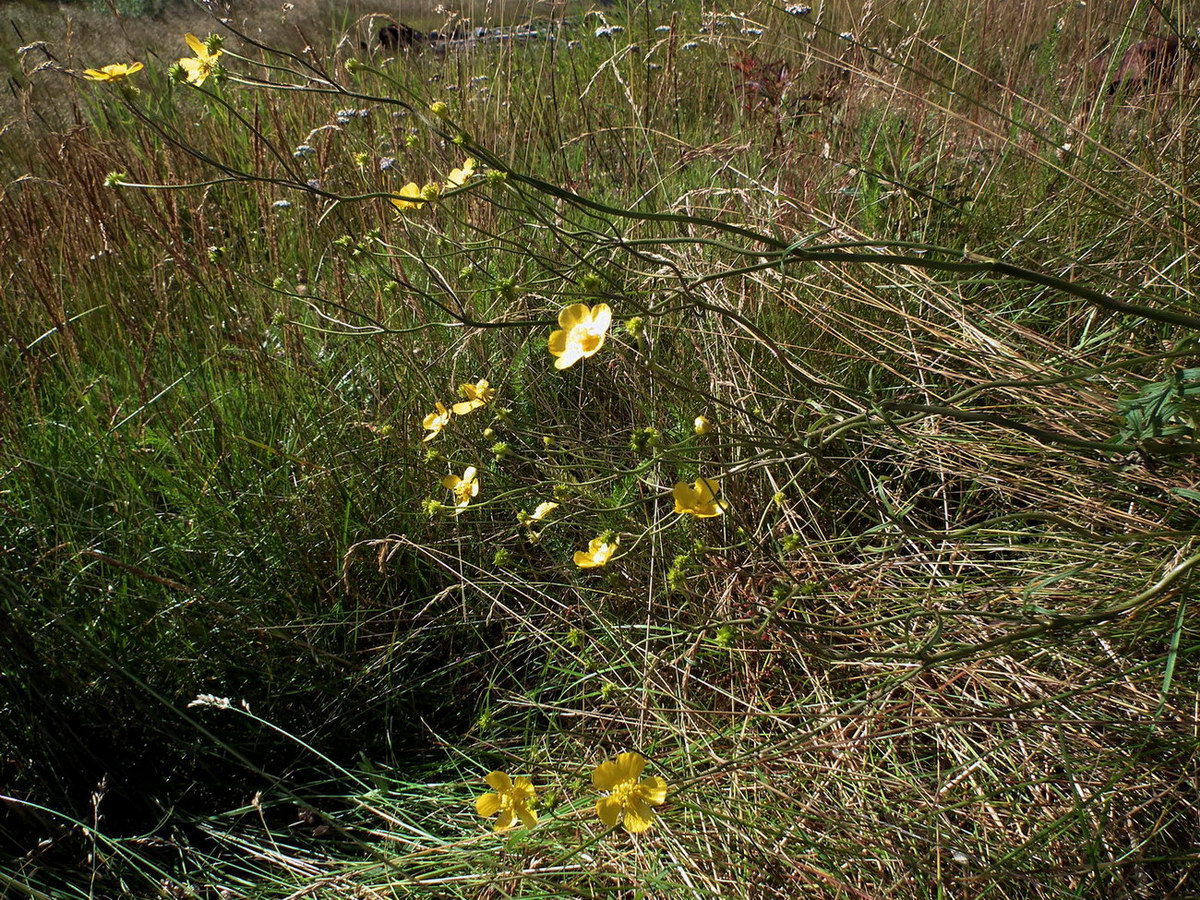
<point x="113" y="72"/>
<point x="512" y="799"/>
<point x="798" y="10"/>
<point x="543" y="509"/>
<point x="387" y="163"/>
<point x="463" y="488"/>
<point x="477" y="395"/>
<point x="282" y="204"/>
<point x="408" y="197"/>
<point x="201" y="66"/>
<point x="701" y="501"/>
<point x="581" y="332"/>
<point x="703" y="425"/>
<point x="598" y="553"/>
<point x="459" y="177"/>
<point x="439" y="108"/>
<point x="436" y="421"/>
<point x="304" y="150"/>
<point x="628" y="797"/>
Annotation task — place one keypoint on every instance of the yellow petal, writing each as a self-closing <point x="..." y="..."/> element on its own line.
<point x="543" y="510"/>
<point x="523" y="786"/>
<point x="450" y="482"/>
<point x="498" y="780"/>
<point x="630" y="765"/>
<point x="504" y="821"/>
<point x="706" y="490"/>
<point x="466" y="406"/>
<point x="558" y="342"/>
<point x="601" y="317"/>
<point x="136" y="67"/>
<point x="572" y="354"/>
<point x="198" y="46"/>
<point x="95" y="75"/>
<point x="469" y="474"/>
<point x="605" y="776"/>
<point x="528" y="816"/>
<point x="609" y="811"/>
<point x="685" y="497"/>
<point x="573" y="315"/>
<point x="487" y="804"/>
<point x="638" y="817"/>
<point x="653" y="790"/>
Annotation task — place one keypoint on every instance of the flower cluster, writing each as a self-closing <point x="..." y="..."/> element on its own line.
<point x="627" y="802"/>
<point x="414" y="196"/>
<point x="478" y="394"/>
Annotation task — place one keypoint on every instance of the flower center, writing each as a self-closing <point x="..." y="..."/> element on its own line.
<point x="588" y="338"/>
<point x="624" y="791"/>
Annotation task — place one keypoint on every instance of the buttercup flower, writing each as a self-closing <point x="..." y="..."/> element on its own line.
<point x="459" y="177"/>
<point x="598" y="553"/>
<point x="114" y="72"/>
<point x="701" y="500"/>
<point x="512" y="799"/>
<point x="436" y="421"/>
<point x="581" y="332"/>
<point x="543" y="510"/>
<point x="464" y="488"/>
<point x="703" y="425"/>
<point x="628" y="797"/>
<point x="200" y="67"/>
<point x="408" y="197"/>
<point x="477" y="395"/>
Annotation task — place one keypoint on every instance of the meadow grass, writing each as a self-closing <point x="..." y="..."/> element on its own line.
<point x="929" y="282"/>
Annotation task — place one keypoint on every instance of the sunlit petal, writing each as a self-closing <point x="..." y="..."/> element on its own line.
<point x="609" y="811"/>
<point x="605" y="776"/>
<point x="487" y="804"/>
<point x="638" y="817"/>
<point x="571" y="316"/>
<point x="498" y="780"/>
<point x="630" y="765"/>
<point x="653" y="790"/>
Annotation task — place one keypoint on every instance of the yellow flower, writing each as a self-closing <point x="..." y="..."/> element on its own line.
<point x="408" y="197"/>
<point x="439" y="108"/>
<point x="114" y="72"/>
<point x="701" y="501"/>
<point x="477" y="395"/>
<point x="512" y="799"/>
<point x="581" y="332"/>
<point x="628" y="797"/>
<point x="703" y="425"/>
<point x="436" y="421"/>
<point x="201" y="66"/>
<point x="459" y="177"/>
<point x="464" y="488"/>
<point x="598" y="553"/>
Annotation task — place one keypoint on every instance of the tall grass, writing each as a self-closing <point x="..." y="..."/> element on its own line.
<point x="935" y="292"/>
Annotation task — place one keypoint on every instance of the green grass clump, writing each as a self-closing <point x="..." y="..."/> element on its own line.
<point x="932" y="293"/>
